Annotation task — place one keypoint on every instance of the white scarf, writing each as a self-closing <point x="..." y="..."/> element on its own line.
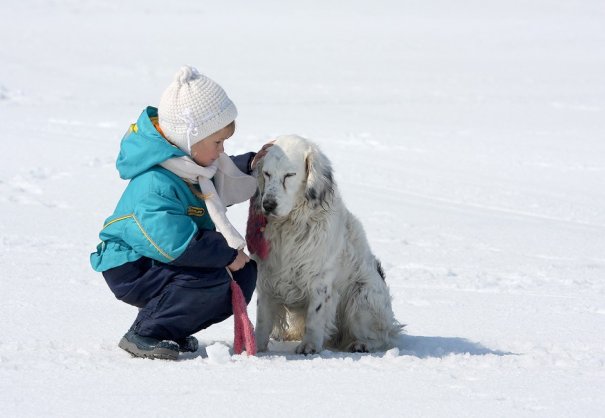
<point x="232" y="186"/>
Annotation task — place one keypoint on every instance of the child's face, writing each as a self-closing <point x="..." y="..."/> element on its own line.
<point x="206" y="151"/>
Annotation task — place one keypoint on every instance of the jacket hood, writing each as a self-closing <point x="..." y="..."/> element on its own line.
<point x="144" y="147"/>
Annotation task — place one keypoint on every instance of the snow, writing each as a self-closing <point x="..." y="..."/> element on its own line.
<point x="218" y="353"/>
<point x="468" y="137"/>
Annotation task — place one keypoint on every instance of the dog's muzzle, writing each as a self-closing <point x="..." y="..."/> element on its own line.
<point x="269" y="205"/>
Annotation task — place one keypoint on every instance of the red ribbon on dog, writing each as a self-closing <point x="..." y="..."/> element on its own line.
<point x="255" y="228"/>
<point x="244" y="331"/>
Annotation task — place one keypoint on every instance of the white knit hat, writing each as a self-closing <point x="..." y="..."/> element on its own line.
<point x="192" y="108"/>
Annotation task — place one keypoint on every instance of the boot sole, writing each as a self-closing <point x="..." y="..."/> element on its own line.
<point x="160" y="353"/>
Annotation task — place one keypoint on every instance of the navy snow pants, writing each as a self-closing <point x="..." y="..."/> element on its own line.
<point x="177" y="301"/>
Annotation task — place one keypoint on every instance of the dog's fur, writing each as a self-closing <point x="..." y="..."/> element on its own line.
<point x="320" y="282"/>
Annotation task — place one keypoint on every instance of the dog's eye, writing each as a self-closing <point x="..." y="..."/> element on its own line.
<point x="285" y="177"/>
<point x="267" y="174"/>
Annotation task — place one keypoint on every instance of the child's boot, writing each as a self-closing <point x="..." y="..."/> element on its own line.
<point x="188" y="344"/>
<point x="149" y="347"/>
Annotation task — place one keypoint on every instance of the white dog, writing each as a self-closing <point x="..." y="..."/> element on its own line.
<point x="320" y="282"/>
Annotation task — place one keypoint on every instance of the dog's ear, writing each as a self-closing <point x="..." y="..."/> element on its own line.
<point x="260" y="185"/>
<point x="320" y="180"/>
<point x="258" y="173"/>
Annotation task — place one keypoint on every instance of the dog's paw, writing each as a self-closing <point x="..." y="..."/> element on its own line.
<point x="358" y="347"/>
<point x="262" y="337"/>
<point x="262" y="345"/>
<point x="306" y="348"/>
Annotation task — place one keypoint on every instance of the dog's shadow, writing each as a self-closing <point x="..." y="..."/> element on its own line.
<point x="427" y="347"/>
<point x="407" y="345"/>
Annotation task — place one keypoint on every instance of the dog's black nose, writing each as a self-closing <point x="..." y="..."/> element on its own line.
<point x="269" y="205"/>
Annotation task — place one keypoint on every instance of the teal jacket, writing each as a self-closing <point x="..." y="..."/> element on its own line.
<point x="158" y="216"/>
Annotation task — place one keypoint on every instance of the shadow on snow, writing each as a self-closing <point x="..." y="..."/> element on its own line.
<point x="426" y="347"/>
<point x="407" y="345"/>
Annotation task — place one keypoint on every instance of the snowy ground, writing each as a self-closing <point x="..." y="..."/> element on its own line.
<point x="468" y="137"/>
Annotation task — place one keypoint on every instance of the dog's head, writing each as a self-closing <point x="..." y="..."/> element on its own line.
<point x="293" y="172"/>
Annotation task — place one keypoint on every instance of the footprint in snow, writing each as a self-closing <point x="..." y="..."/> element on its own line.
<point x="29" y="189"/>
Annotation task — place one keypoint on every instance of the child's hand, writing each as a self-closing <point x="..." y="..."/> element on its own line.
<point x="259" y="156"/>
<point x="239" y="262"/>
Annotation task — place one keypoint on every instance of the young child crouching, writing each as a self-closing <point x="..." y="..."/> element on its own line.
<point x="166" y="247"/>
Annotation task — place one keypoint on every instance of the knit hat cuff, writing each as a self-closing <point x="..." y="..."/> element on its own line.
<point x="176" y="130"/>
<point x="192" y="108"/>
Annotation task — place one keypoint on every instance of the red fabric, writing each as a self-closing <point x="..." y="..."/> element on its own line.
<point x="244" y="331"/>
<point x="257" y="244"/>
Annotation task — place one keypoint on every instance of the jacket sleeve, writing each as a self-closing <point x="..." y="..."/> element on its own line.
<point x="159" y="229"/>
<point x="244" y="162"/>
<point x="208" y="249"/>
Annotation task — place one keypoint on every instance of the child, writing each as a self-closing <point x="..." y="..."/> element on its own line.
<point x="168" y="243"/>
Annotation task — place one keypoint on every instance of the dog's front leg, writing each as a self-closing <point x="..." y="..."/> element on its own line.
<point x="320" y="318"/>
<point x="265" y="318"/>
